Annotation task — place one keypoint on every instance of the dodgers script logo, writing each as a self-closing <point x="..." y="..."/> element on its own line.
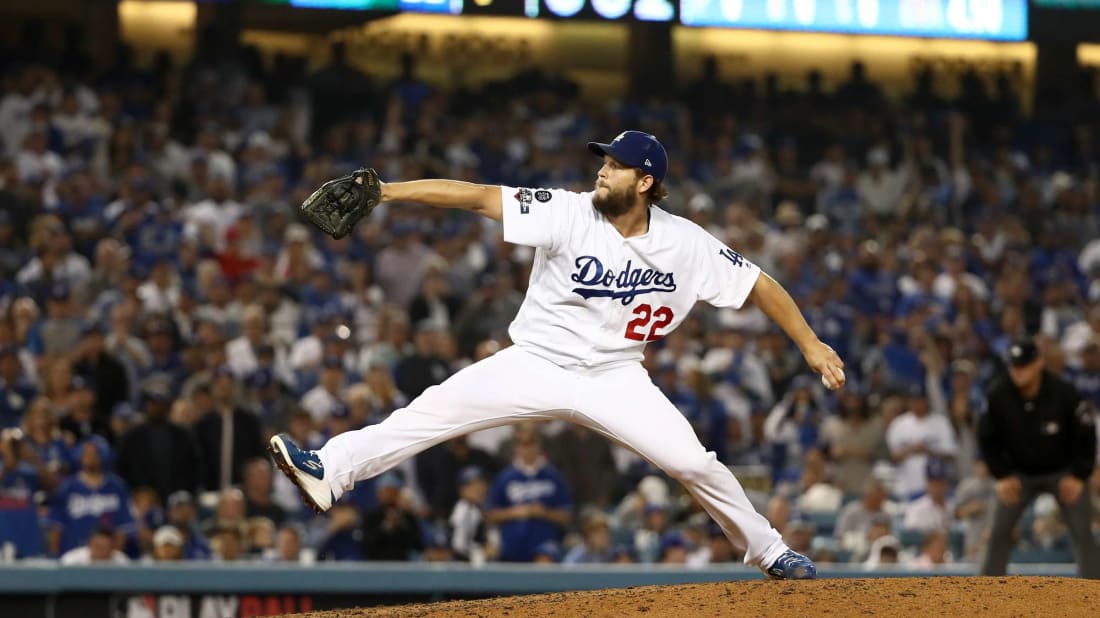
<point x="624" y="285"/>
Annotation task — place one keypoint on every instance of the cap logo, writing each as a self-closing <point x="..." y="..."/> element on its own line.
<point x="619" y="137"/>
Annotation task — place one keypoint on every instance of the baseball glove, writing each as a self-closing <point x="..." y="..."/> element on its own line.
<point x="340" y="203"/>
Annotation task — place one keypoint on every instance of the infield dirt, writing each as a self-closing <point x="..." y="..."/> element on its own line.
<point x="907" y="597"/>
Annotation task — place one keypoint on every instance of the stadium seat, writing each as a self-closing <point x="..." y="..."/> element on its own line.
<point x="1040" y="556"/>
<point x="956" y="542"/>
<point x="824" y="522"/>
<point x="911" y="538"/>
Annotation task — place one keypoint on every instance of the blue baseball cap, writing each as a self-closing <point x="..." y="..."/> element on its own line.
<point x="636" y="149"/>
<point x="936" y="469"/>
<point x="470" y="474"/>
<point x="339" y="410"/>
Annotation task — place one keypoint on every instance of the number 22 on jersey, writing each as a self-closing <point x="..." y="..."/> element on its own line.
<point x="660" y="318"/>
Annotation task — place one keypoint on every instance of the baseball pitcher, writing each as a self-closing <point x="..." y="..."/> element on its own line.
<point x="612" y="271"/>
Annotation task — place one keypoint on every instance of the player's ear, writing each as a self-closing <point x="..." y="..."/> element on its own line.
<point x="644" y="183"/>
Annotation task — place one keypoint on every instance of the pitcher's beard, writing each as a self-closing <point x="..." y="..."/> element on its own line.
<point x="613" y="205"/>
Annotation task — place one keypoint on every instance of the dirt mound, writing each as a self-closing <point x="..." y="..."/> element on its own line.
<point x="908" y="597"/>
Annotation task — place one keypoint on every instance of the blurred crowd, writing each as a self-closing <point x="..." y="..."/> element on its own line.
<point x="163" y="311"/>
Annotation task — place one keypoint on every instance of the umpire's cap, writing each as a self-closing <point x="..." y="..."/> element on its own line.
<point x="1022" y="351"/>
<point x="636" y="149"/>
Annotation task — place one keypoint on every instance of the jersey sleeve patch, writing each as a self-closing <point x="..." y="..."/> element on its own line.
<point x="532" y="217"/>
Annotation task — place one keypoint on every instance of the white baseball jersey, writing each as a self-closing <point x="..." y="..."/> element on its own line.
<point x="595" y="298"/>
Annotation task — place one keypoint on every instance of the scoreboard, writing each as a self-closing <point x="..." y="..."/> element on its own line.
<point x="1004" y="20"/>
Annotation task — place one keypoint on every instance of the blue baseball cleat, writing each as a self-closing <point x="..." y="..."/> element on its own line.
<point x="792" y="565"/>
<point x="304" y="469"/>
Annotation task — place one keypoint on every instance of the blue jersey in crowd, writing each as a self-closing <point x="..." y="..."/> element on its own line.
<point x="18" y="516"/>
<point x="54" y="454"/>
<point x="14" y="401"/>
<point x="78" y="509"/>
<point x="512" y="487"/>
<point x="196" y="547"/>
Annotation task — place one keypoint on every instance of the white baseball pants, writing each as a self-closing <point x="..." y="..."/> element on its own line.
<point x="514" y="385"/>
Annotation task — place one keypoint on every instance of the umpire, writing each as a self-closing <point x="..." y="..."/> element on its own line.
<point x="1038" y="437"/>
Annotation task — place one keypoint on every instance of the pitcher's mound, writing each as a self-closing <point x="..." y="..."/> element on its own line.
<point x="906" y="597"/>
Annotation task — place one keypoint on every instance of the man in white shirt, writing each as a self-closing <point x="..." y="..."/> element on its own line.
<point x="321" y="400"/>
<point x="912" y="438"/>
<point x="208" y="220"/>
<point x="931" y="512"/>
<point x="240" y="353"/>
<point x="99" y="549"/>
<point x="879" y="187"/>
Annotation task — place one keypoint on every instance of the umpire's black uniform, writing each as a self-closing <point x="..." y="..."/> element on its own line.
<point x="1039" y="440"/>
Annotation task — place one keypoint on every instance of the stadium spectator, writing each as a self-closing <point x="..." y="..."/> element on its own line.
<point x="435" y="302"/>
<point x="158" y="453"/>
<point x="165" y="364"/>
<point x="100" y="547"/>
<point x="228" y="542"/>
<point x="647" y="537"/>
<point x="168" y="545"/>
<point x="817" y="493"/>
<point x="270" y="400"/>
<point x="229" y="511"/>
<point x="241" y="353"/>
<point x="79" y="421"/>
<point x="799" y="532"/>
<point x="853" y="440"/>
<point x="973" y="497"/>
<point x="586" y="461"/>
<point x="259" y="537"/>
<point x="424" y="367"/>
<point x="148" y="517"/>
<point x="258" y="487"/>
<point x="322" y="400"/>
<point x="913" y="438"/>
<point x="391" y="530"/>
<point x="857" y="516"/>
<point x="59" y="330"/>
<point x="42" y="445"/>
<point x="884" y="551"/>
<point x="20" y="532"/>
<point x="228" y="435"/>
<point x="91" y="497"/>
<point x="127" y="349"/>
<point x="16" y="388"/>
<point x="792" y="426"/>
<point x="529" y="500"/>
<point x="106" y="373"/>
<point x="596" y="547"/>
<point x="435" y="471"/>
<point x="490" y="309"/>
<point x="343" y="536"/>
<point x="933" y="550"/>
<point x="182" y="514"/>
<point x="467" y="520"/>
<point x="288" y="545"/>
<point x="932" y="511"/>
